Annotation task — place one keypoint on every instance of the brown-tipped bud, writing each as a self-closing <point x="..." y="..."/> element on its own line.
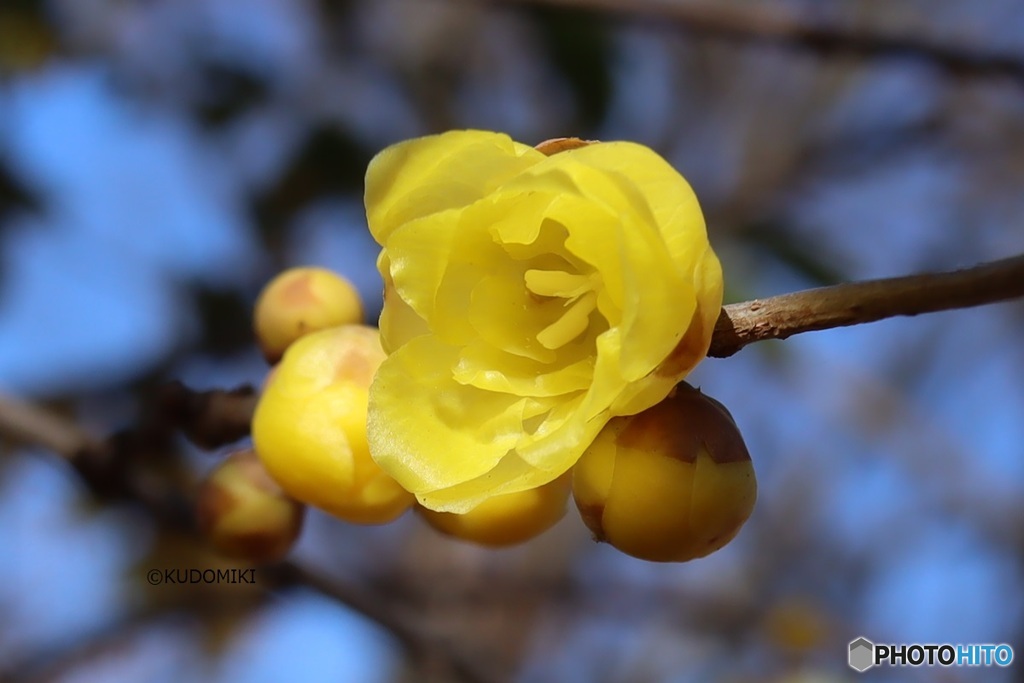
<point x="310" y="427"/>
<point x="556" y="145"/>
<point x="506" y="519"/>
<point x="245" y="514"/>
<point x="300" y="301"/>
<point x="670" y="484"/>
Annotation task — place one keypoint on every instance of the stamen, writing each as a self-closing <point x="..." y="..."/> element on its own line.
<point x="557" y="283"/>
<point x="572" y="324"/>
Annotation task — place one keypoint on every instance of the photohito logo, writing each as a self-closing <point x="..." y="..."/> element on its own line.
<point x="864" y="654"/>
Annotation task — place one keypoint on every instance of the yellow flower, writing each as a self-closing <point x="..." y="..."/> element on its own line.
<point x="528" y="300"/>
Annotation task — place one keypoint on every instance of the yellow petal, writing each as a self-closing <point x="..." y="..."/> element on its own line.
<point x="640" y="187"/>
<point x="669" y="197"/>
<point x="419" y="252"/>
<point x="561" y="437"/>
<point x="655" y="298"/>
<point x="538" y="459"/>
<point x="610" y="226"/>
<point x="506" y="317"/>
<point x="428" y="431"/>
<point x="486" y="367"/>
<point x="658" y="305"/>
<point x="709" y="288"/>
<point x="692" y="348"/>
<point x="416" y="178"/>
<point x="398" y="321"/>
<point x="481" y="264"/>
<point x="510" y="475"/>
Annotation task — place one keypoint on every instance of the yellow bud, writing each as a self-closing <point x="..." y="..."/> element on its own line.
<point x="669" y="484"/>
<point x="309" y="428"/>
<point x="300" y="301"/>
<point x="797" y="625"/>
<point x="506" y="519"/>
<point x="244" y="513"/>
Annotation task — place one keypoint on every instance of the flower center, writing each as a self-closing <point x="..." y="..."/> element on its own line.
<point x="580" y="300"/>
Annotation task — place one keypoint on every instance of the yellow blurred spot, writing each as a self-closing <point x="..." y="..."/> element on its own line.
<point x="796" y="625"/>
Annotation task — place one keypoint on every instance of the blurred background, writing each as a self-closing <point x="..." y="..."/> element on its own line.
<point x="160" y="160"/>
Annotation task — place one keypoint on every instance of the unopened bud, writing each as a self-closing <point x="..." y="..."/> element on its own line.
<point x="300" y="301"/>
<point x="245" y="514"/>
<point x="670" y="484"/>
<point x="506" y="519"/>
<point x="310" y="426"/>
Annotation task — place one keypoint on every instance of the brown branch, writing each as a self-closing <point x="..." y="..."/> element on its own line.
<point x="764" y="25"/>
<point x="209" y="419"/>
<point x="855" y="303"/>
<point x="23" y="423"/>
<point x="110" y="468"/>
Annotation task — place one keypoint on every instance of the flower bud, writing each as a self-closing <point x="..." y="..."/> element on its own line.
<point x="309" y="428"/>
<point x="244" y="513"/>
<point x="506" y="519"/>
<point x="670" y="484"/>
<point x="300" y="301"/>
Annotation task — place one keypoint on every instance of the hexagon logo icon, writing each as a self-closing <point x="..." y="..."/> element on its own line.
<point x="862" y="654"/>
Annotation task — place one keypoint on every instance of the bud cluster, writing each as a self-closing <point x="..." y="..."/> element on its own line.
<point x="672" y="483"/>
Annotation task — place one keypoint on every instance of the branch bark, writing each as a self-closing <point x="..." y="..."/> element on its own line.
<point x="855" y="303"/>
<point x="25" y="423"/>
<point x="768" y="25"/>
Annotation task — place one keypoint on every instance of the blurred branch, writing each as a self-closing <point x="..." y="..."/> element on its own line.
<point x="758" y="24"/>
<point x="855" y="303"/>
<point x="110" y="469"/>
<point x="209" y="419"/>
<point x="62" y="662"/>
<point x="25" y="423"/>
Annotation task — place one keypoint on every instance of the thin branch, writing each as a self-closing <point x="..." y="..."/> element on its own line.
<point x="25" y="423"/>
<point x="855" y="303"/>
<point x="765" y="25"/>
<point x="209" y="419"/>
<point x="106" y="468"/>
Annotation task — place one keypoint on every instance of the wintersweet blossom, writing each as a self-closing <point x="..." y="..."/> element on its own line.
<point x="528" y="300"/>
